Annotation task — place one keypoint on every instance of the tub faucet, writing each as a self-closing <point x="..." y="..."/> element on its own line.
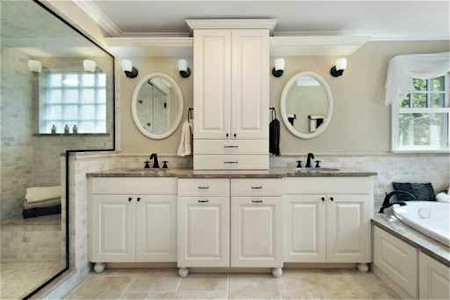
<point x="309" y="161"/>
<point x="154" y="156"/>
<point x="387" y="199"/>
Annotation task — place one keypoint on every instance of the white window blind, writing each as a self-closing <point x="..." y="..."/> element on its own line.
<point x="72" y="98"/>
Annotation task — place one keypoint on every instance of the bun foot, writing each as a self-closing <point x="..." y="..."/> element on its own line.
<point x="183" y="272"/>
<point x="363" y="267"/>
<point x="99" y="267"/>
<point x="277" y="272"/>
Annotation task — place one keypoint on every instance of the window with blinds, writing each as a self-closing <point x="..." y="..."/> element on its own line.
<point x="72" y="98"/>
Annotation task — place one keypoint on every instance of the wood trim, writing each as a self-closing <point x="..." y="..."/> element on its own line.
<point x="232" y="24"/>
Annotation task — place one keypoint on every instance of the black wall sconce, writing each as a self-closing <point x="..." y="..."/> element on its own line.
<point x="278" y="67"/>
<point x="339" y="67"/>
<point x="127" y="67"/>
<point x="183" y="68"/>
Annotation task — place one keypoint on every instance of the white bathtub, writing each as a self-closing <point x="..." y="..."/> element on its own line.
<point x="429" y="217"/>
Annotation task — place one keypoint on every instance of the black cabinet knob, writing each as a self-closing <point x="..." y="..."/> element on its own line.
<point x="138" y="199"/>
<point x="234" y="135"/>
<point x="331" y="198"/>
<point x="323" y="199"/>
<point x="227" y="135"/>
<point x="129" y="199"/>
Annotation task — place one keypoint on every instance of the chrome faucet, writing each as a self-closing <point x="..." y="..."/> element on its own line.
<point x="309" y="161"/>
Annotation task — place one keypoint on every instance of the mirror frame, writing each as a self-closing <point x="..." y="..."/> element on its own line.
<point x="330" y="111"/>
<point x="134" y="109"/>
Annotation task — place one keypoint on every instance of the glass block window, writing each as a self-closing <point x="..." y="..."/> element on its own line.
<point x="421" y="120"/>
<point x="72" y="98"/>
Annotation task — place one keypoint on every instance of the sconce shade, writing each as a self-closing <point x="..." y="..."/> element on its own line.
<point x="278" y="67"/>
<point x="127" y="67"/>
<point x="89" y="65"/>
<point x="339" y="67"/>
<point x="34" y="66"/>
<point x="183" y="68"/>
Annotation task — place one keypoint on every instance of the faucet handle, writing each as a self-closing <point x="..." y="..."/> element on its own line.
<point x="318" y="163"/>
<point x="299" y="164"/>
<point x="165" y="166"/>
<point x="147" y="164"/>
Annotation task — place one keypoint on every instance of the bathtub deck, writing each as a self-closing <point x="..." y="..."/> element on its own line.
<point x="413" y="237"/>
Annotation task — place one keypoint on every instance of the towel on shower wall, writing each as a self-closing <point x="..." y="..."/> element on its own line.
<point x="42" y="193"/>
<point x="185" y="147"/>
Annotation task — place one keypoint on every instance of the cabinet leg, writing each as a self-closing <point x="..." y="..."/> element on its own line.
<point x="99" y="267"/>
<point x="183" y="272"/>
<point x="363" y="267"/>
<point x="277" y="272"/>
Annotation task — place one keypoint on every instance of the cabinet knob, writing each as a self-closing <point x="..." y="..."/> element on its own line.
<point x="129" y="199"/>
<point x="138" y="199"/>
<point x="203" y="187"/>
<point x="257" y="187"/>
<point x="331" y="198"/>
<point x="323" y="199"/>
<point x="257" y="201"/>
<point x="227" y="135"/>
<point x="235" y="135"/>
<point x="203" y="201"/>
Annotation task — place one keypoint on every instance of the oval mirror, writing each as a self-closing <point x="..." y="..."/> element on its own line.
<point x="306" y="105"/>
<point x="157" y="106"/>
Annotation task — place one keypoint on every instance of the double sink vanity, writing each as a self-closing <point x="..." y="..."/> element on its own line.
<point x="230" y="219"/>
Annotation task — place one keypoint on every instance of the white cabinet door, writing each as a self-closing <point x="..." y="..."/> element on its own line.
<point x="112" y="228"/>
<point x="156" y="229"/>
<point x="250" y="84"/>
<point x="434" y="278"/>
<point x="212" y="84"/>
<point x="256" y="232"/>
<point x="348" y="228"/>
<point x="305" y="232"/>
<point x="203" y="232"/>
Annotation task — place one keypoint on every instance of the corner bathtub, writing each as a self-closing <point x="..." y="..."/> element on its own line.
<point x="429" y="217"/>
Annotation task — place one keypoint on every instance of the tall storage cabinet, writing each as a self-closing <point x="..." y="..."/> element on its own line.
<point x="231" y="98"/>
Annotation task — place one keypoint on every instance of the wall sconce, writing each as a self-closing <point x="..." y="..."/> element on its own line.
<point x="89" y="65"/>
<point x="183" y="68"/>
<point x="339" y="67"/>
<point x="278" y="67"/>
<point x="34" y="66"/>
<point x="127" y="67"/>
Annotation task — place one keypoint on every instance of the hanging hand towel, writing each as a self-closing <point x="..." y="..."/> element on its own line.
<point x="184" y="148"/>
<point x="274" y="137"/>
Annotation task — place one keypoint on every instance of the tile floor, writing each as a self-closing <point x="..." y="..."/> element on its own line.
<point x="295" y="284"/>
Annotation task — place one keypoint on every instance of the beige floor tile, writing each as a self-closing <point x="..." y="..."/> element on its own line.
<point x="155" y="282"/>
<point x="215" y="294"/>
<point x="136" y="295"/>
<point x="248" y="286"/>
<point x="161" y="295"/>
<point x="101" y="288"/>
<point x="373" y="286"/>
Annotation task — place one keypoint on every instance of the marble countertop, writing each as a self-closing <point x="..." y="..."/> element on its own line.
<point x="272" y="173"/>
<point x="429" y="246"/>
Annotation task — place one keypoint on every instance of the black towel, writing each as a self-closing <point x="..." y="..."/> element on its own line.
<point x="274" y="137"/>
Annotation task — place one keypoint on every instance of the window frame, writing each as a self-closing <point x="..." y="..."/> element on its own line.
<point x="395" y="116"/>
<point x="45" y="89"/>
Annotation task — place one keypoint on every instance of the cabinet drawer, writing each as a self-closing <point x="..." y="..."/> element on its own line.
<point x="231" y="146"/>
<point x="134" y="185"/>
<point x="203" y="187"/>
<point x="256" y="187"/>
<point x="397" y="260"/>
<point x="231" y="162"/>
<point x="344" y="185"/>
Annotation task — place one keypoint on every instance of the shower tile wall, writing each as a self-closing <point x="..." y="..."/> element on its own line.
<point x="16" y="130"/>
<point x="27" y="159"/>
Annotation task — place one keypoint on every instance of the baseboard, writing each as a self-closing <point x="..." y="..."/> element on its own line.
<point x="152" y="265"/>
<point x="320" y="266"/>
<point x="385" y="278"/>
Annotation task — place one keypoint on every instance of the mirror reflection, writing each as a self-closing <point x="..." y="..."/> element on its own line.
<point x="306" y="104"/>
<point x="157" y="106"/>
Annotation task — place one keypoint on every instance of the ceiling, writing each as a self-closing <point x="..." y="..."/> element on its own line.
<point x="383" y="20"/>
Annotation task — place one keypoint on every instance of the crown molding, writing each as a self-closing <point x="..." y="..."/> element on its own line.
<point x="92" y="10"/>
<point x="232" y="23"/>
<point x="151" y="46"/>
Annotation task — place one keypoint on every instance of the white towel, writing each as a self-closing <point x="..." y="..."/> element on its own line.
<point x="184" y="148"/>
<point x="42" y="193"/>
<point x="443" y="197"/>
